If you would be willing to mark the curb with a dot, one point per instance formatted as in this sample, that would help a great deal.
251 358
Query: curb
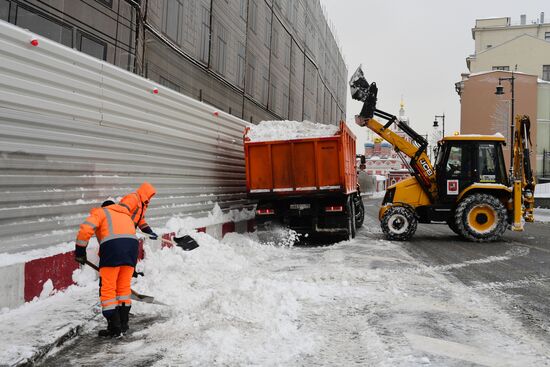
22 282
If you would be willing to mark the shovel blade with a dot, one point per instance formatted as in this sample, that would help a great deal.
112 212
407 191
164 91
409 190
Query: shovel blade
143 298
187 243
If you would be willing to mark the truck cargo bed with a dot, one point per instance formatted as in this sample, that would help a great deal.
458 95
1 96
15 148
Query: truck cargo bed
301 166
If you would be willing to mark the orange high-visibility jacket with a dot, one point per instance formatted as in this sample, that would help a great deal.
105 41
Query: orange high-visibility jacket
115 232
137 203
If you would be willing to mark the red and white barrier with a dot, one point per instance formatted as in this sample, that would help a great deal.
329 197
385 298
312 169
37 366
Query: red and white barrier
22 282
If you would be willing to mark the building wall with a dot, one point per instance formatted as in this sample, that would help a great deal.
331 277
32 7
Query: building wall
483 112
103 29
255 59
492 32
528 53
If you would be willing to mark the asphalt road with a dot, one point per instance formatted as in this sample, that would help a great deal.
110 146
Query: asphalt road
515 270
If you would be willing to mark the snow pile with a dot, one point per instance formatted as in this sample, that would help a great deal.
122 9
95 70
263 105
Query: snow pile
288 130
184 225
225 302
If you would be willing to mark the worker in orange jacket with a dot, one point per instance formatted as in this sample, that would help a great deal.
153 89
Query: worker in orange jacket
118 252
137 203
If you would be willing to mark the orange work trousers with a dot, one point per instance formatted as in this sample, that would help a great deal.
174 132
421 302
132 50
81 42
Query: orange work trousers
114 287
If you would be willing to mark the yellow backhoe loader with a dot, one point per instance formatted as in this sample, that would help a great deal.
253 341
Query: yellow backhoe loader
468 188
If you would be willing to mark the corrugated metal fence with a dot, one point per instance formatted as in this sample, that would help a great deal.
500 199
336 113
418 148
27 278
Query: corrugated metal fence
75 130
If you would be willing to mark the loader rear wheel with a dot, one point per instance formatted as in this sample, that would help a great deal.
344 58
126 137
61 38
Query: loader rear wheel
399 223
481 218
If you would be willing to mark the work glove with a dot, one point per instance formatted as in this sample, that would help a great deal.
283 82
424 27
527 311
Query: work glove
80 255
149 231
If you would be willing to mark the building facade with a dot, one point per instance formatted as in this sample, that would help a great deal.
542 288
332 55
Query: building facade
256 59
502 47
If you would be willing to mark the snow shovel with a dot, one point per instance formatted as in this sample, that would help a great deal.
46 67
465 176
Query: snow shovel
135 295
187 243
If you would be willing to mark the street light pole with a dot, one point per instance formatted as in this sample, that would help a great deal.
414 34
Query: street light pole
442 117
500 91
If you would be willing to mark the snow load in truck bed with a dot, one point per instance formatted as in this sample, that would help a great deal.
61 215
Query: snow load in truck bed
288 130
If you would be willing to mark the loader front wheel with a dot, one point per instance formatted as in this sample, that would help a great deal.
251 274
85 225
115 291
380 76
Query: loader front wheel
481 218
399 223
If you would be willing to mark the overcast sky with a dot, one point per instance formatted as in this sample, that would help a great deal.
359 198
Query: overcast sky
416 49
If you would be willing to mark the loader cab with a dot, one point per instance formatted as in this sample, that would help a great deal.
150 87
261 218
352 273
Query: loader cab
465 160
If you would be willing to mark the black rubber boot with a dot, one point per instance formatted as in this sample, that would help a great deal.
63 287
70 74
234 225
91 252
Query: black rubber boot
113 327
124 312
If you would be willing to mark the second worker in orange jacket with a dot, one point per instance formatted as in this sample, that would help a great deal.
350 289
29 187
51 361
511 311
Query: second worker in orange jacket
137 203
118 252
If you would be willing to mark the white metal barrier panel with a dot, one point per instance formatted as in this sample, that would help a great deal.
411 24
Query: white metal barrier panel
75 130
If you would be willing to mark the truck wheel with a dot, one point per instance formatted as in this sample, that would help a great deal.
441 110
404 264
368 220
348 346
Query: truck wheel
399 223
359 211
481 218
350 210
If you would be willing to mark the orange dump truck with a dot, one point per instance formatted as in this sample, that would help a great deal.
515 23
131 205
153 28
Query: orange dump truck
306 184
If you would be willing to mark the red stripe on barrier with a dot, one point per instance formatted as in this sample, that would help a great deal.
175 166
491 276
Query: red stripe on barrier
167 240
201 229
228 227
59 268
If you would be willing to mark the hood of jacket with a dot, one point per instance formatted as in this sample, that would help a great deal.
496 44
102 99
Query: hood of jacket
146 191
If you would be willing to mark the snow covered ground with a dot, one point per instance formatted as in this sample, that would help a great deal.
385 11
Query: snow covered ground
240 302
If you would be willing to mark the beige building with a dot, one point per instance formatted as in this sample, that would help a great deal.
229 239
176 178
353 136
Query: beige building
523 48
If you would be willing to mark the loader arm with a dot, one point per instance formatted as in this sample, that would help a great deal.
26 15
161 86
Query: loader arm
522 174
420 162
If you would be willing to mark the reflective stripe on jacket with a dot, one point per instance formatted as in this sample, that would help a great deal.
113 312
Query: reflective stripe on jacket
115 232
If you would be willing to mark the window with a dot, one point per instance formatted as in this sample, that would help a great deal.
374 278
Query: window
253 15
546 72
454 162
267 34
169 84
171 19
503 68
287 56
221 55
46 27
205 34
242 9
275 43
486 161
273 104
285 105
547 36
4 10
251 74
92 46
265 85
240 65
108 3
